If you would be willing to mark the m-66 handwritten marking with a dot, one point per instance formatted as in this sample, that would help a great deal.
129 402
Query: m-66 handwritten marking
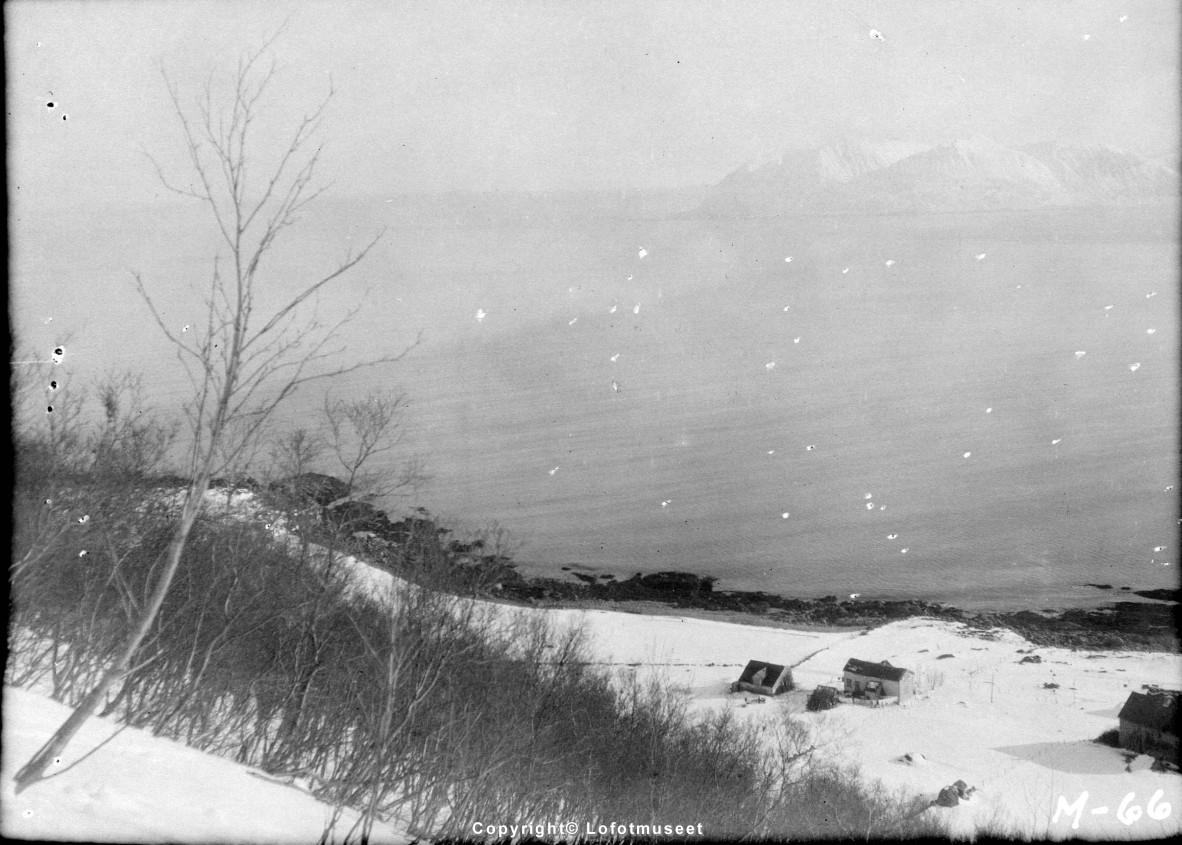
1127 813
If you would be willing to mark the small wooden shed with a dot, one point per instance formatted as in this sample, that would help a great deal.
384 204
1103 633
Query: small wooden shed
1147 723
764 678
865 679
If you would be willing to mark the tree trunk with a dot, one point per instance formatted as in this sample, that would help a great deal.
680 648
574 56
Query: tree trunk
34 770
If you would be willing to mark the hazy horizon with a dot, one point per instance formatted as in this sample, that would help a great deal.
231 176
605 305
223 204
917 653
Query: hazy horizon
438 97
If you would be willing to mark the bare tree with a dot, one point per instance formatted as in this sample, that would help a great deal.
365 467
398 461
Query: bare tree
360 430
242 364
294 452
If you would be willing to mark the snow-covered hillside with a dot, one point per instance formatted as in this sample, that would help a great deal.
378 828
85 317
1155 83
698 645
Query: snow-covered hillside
1105 174
1019 731
983 716
962 175
140 788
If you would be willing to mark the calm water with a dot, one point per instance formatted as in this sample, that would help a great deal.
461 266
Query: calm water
836 388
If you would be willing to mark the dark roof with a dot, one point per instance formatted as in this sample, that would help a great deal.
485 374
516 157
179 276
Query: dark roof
772 675
1151 711
883 671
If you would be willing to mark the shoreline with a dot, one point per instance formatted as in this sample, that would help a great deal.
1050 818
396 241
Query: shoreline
1149 624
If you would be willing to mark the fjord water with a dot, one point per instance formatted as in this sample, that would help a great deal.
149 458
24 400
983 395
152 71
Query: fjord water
902 409
936 372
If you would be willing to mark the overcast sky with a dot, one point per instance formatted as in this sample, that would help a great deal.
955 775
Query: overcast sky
537 95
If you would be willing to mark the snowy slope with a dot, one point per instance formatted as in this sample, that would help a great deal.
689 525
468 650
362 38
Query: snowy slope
140 788
796 179
982 716
1099 173
977 174
989 720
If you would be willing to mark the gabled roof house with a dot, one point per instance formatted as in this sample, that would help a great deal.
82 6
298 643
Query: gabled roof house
866 679
1148 723
764 678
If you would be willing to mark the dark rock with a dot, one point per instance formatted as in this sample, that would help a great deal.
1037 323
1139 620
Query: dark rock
948 797
313 487
677 582
1159 595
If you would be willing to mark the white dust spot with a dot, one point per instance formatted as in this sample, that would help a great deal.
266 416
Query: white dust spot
1107 307
615 387
82 520
771 451
968 454
892 536
796 340
572 322
614 357
612 310
771 365
870 506
665 503
981 256
480 315
788 260
904 551
1159 548
1134 367
785 515
876 35
810 448
846 270
636 308
82 553
1056 441
1080 353
1151 295
1150 331
554 470
1168 489
787 307
989 410
868 496
643 252
1087 38
854 595
882 507
185 329
629 277
890 262
1124 18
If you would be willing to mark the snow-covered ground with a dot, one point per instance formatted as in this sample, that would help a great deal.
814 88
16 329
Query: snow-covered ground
140 788
981 716
986 719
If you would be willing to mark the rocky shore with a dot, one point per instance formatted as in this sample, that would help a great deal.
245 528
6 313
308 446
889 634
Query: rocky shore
1150 625
1126 625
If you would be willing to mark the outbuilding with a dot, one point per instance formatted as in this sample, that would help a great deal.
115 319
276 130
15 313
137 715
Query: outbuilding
867 680
1147 723
764 678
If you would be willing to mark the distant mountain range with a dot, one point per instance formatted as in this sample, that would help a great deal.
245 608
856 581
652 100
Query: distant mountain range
964 175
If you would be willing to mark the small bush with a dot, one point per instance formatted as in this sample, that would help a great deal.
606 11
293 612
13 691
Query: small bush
1110 737
822 698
